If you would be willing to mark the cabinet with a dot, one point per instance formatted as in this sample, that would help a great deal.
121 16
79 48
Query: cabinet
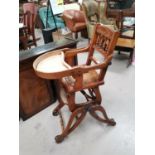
35 93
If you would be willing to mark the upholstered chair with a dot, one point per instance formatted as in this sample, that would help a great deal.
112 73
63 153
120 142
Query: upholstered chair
75 21
95 13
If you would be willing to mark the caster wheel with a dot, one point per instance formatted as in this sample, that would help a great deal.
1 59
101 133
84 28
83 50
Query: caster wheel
55 113
112 122
59 138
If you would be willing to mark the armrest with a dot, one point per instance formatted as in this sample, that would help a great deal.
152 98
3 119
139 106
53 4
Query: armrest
78 73
74 52
68 16
97 66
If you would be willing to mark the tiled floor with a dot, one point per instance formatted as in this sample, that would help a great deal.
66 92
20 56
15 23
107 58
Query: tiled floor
91 137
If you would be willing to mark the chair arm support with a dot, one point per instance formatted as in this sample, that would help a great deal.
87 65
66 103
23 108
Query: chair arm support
74 52
68 16
97 66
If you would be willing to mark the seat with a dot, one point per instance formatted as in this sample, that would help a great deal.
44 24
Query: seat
95 12
73 78
75 21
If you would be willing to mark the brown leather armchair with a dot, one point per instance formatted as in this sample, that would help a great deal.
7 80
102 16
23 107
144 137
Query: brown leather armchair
75 21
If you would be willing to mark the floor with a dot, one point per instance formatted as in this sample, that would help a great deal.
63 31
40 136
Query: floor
91 137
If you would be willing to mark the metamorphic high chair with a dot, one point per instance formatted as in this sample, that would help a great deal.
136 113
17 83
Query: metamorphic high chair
86 78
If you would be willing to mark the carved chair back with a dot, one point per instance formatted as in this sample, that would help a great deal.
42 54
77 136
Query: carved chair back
103 42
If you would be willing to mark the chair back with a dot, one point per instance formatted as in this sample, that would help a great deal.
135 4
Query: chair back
90 9
29 21
103 42
30 7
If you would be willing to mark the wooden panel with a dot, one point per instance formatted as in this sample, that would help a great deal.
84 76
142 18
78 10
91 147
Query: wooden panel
34 92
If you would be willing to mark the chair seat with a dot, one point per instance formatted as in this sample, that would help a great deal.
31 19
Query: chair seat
128 34
123 42
90 77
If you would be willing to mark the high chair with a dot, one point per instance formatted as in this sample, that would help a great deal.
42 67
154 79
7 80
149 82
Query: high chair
86 78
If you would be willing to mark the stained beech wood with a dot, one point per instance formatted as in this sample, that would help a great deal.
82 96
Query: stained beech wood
79 78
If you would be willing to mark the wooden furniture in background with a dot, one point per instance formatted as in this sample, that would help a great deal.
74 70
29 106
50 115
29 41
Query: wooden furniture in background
80 78
35 93
28 20
23 37
126 45
126 10
31 7
120 10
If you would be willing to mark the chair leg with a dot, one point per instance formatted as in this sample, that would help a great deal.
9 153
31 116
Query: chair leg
119 52
60 101
93 113
71 124
56 110
130 59
75 35
34 40
98 95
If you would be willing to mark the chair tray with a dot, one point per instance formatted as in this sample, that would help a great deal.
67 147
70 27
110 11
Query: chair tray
50 63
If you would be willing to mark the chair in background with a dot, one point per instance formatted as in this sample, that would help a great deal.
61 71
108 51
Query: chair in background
95 12
85 78
29 22
23 38
120 9
90 9
126 41
75 21
28 18
31 7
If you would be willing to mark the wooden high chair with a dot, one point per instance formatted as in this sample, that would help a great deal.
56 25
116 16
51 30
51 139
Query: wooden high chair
85 79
